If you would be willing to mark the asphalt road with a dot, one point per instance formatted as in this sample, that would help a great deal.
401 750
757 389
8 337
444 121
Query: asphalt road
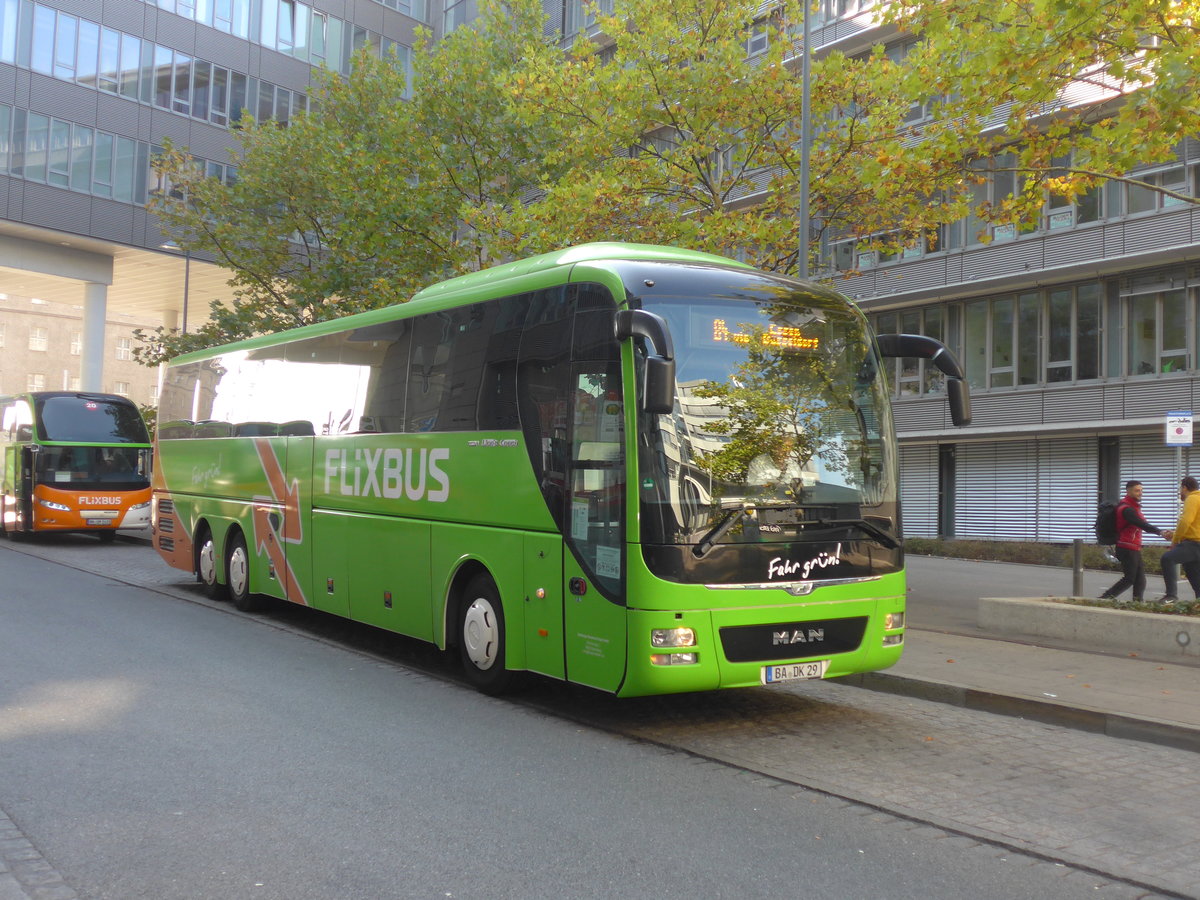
943 594
152 747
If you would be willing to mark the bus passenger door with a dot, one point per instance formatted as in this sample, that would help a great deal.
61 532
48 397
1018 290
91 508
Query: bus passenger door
26 482
544 605
594 528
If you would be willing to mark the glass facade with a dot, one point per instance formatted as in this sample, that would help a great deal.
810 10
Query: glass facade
81 158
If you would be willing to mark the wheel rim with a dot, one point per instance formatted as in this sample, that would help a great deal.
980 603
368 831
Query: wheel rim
239 571
481 634
208 562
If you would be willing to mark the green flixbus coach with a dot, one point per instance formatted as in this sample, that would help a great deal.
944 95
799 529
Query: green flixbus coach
637 468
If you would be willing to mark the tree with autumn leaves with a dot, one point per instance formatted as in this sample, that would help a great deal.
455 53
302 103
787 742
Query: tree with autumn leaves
654 126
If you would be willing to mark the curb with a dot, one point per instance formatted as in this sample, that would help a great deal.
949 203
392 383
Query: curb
1150 731
1162 636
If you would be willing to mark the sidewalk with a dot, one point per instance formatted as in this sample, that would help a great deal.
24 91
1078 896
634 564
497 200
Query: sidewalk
1139 699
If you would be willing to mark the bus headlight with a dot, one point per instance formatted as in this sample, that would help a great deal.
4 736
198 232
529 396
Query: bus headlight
145 505
673 659
672 637
52 505
893 621
893 640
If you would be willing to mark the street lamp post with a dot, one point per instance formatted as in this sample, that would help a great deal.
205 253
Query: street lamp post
187 275
805 140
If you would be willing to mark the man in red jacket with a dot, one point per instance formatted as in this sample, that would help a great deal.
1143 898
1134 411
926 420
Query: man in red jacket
1130 526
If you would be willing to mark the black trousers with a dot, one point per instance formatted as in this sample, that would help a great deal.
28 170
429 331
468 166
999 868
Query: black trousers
1187 555
1134 573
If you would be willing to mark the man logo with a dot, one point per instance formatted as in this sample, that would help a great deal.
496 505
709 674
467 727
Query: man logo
798 636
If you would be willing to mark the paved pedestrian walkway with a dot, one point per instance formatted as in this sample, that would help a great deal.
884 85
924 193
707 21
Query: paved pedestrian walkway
1122 697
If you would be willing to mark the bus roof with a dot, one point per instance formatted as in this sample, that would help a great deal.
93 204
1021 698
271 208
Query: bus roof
584 253
481 282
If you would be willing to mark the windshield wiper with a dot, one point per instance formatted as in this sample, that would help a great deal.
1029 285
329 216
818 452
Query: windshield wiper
863 525
718 531
732 516
736 514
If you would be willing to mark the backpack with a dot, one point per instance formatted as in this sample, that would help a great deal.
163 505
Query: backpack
1106 524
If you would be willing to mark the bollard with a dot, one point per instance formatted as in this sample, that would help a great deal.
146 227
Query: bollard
1077 569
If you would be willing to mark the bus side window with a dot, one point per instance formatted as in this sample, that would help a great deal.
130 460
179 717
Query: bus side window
498 403
544 393
299 428
429 369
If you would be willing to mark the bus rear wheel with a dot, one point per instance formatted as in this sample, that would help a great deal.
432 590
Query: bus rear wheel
237 574
481 636
206 568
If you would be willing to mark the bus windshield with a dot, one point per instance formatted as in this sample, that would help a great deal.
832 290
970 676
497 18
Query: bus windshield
780 425
87 419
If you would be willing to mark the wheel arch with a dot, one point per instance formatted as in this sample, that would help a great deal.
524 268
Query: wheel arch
455 597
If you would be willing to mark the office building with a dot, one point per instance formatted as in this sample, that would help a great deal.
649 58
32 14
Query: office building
88 91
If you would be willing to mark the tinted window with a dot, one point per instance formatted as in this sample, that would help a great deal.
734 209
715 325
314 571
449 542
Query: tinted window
544 392
90 420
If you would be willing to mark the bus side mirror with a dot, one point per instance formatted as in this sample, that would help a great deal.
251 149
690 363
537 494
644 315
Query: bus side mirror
658 391
958 394
658 388
960 401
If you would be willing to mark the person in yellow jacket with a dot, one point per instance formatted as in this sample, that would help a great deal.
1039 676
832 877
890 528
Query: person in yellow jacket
1185 541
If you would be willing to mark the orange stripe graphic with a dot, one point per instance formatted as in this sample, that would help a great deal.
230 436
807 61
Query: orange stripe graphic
266 532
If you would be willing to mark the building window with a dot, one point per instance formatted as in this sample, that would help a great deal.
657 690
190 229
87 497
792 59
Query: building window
758 39
1157 328
1033 338
458 12
74 383
1140 199
124 348
121 387
76 343
39 338
1063 211
35 381
908 375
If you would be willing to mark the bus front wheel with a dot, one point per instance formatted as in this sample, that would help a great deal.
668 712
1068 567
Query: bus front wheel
237 573
481 636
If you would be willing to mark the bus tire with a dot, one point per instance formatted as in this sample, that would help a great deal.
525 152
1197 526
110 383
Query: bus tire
206 567
237 574
481 636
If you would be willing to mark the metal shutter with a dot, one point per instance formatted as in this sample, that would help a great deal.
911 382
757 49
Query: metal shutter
919 489
1037 490
1068 474
996 496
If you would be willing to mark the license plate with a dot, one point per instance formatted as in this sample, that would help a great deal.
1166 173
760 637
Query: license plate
99 521
794 671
